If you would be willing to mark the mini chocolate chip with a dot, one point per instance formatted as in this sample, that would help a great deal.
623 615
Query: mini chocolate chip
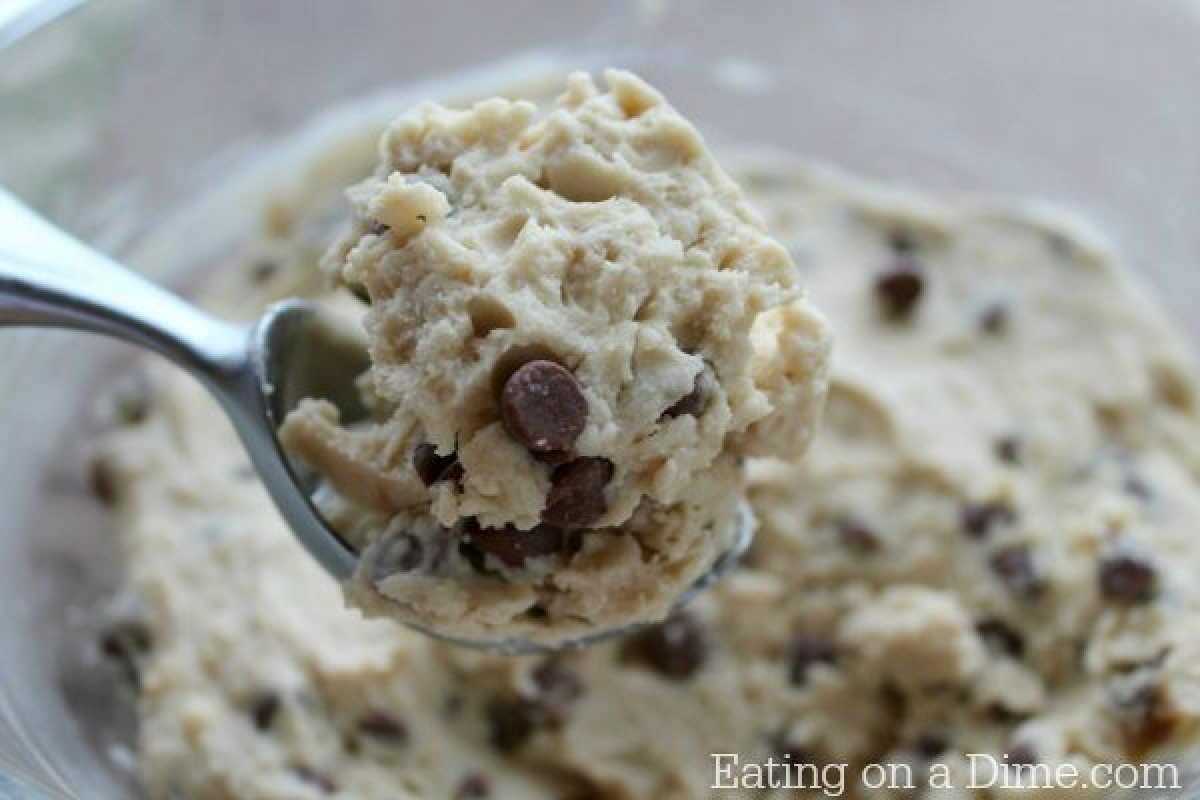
376 227
1135 486
263 270
360 293
993 319
893 699
558 688
1127 577
1008 449
788 749
1002 714
1143 712
125 643
857 535
543 407
132 398
402 553
432 468
473 786
998 635
805 651
510 722
675 649
453 704
930 745
101 482
1014 566
127 637
1021 753
383 726
695 402
264 708
1060 245
978 520
513 546
902 241
576 497
318 779
899 288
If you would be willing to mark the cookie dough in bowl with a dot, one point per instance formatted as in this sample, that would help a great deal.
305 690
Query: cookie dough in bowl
579 330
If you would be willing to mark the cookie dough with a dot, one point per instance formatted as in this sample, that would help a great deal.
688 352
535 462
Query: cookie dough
990 549
579 330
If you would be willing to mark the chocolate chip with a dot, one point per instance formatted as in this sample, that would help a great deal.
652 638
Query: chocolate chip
543 407
576 497
558 689
376 227
1008 449
1060 245
993 319
1143 712
510 723
393 555
978 520
930 745
1003 715
101 481
432 468
126 643
453 704
899 288
791 751
132 398
473 786
805 651
893 699
696 401
1127 577
512 720
998 635
264 707
1135 486
901 241
857 535
263 270
318 779
1014 566
675 649
383 726
1021 753
513 546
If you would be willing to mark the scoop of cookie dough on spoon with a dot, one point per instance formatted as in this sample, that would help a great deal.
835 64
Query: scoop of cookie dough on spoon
579 330
258 373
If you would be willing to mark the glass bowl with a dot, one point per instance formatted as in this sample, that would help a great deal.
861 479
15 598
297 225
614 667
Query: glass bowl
114 113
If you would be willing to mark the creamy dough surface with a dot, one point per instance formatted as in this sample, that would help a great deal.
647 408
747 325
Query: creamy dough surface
989 549
579 330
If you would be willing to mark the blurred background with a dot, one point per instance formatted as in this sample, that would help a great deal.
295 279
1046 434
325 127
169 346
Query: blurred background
116 113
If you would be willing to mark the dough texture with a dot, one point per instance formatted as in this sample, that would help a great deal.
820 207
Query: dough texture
989 549
579 330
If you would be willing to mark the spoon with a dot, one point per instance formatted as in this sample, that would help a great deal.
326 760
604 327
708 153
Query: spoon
257 372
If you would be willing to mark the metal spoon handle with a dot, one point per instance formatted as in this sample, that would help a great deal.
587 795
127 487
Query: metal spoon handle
48 278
